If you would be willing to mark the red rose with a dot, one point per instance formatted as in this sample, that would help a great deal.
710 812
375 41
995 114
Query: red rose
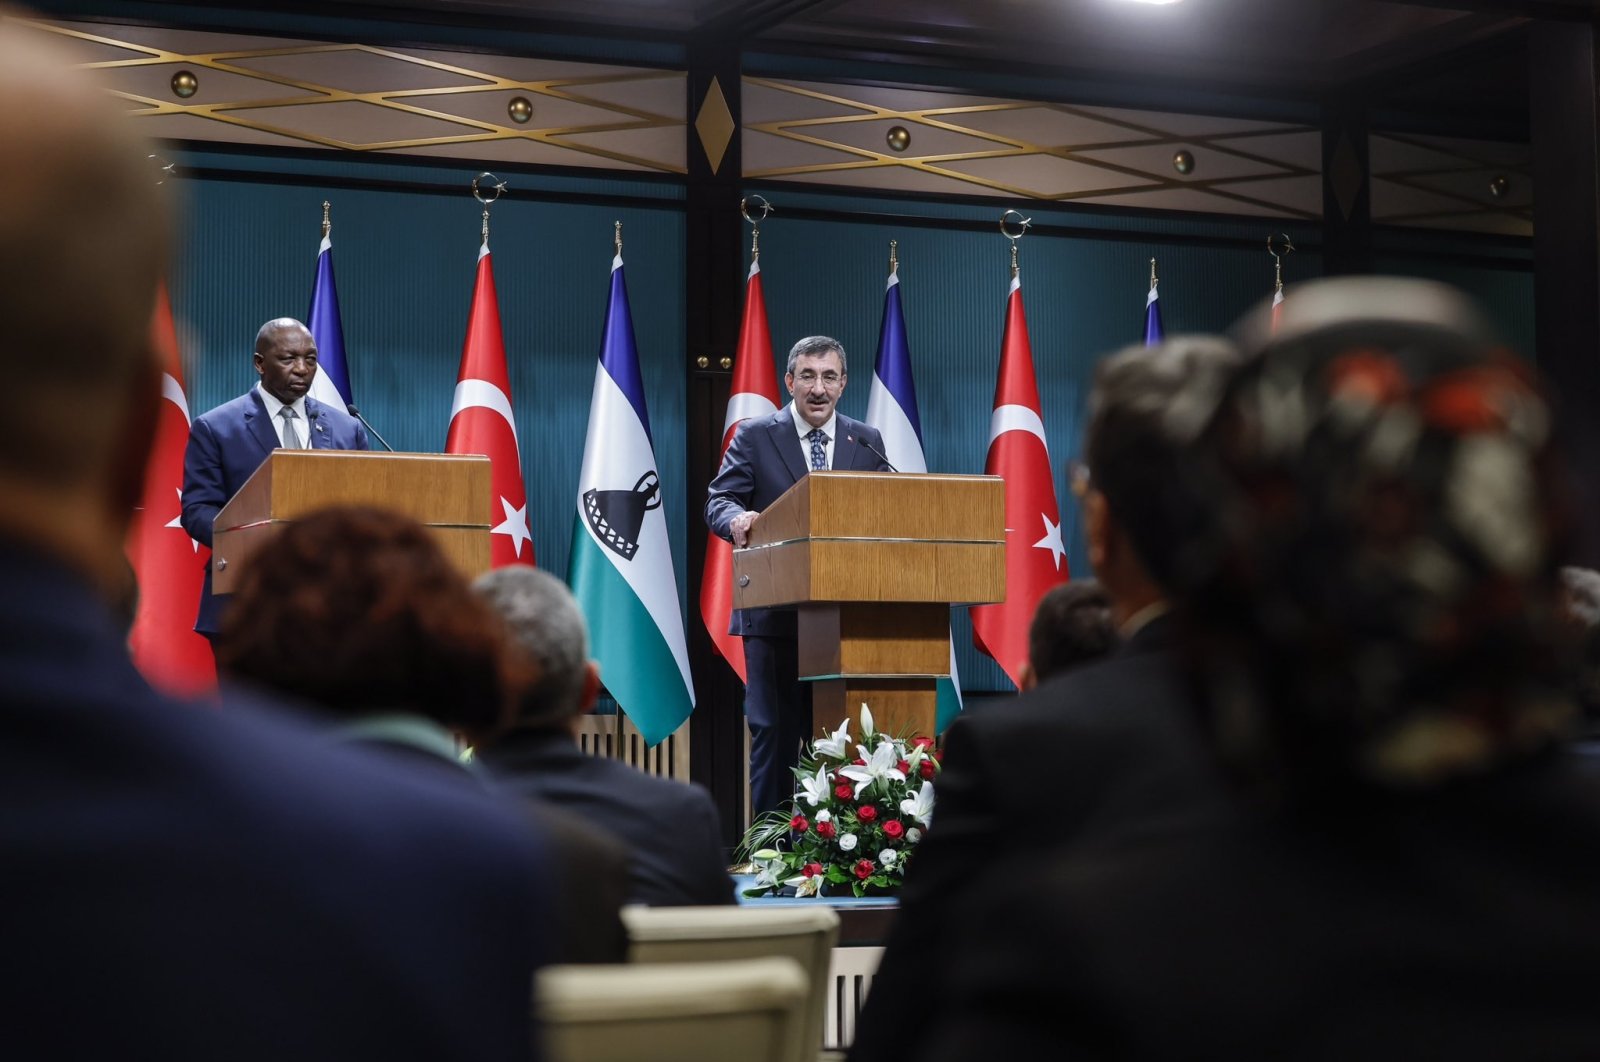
922 742
893 829
811 870
863 869
866 813
826 830
844 792
859 762
938 754
903 766
926 768
799 823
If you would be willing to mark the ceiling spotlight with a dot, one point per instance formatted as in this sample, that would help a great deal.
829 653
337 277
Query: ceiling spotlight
1152 1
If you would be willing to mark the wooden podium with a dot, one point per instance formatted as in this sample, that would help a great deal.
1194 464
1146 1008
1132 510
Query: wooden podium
448 493
872 561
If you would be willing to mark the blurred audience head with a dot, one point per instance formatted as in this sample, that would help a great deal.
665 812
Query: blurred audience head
546 624
1375 599
1581 601
82 246
1072 626
1147 405
358 612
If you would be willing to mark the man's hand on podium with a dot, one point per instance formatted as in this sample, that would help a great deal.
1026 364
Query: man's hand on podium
739 527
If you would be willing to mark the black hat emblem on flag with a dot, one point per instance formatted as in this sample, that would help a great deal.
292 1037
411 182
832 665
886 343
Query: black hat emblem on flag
615 516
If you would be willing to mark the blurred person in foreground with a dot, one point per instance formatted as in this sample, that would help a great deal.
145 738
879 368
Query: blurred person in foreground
1102 748
1071 627
1371 620
671 828
182 882
359 615
1582 608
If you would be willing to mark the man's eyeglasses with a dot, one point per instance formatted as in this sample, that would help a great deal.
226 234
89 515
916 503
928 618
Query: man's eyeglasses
808 378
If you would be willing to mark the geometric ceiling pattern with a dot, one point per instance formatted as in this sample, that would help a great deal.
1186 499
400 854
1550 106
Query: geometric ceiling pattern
923 141
1448 183
355 97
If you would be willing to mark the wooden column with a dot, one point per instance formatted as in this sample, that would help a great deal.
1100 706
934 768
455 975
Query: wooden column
713 294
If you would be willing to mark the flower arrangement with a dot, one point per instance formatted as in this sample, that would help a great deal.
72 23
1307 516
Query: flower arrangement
855 821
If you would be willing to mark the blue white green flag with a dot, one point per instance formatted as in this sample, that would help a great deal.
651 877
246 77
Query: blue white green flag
621 566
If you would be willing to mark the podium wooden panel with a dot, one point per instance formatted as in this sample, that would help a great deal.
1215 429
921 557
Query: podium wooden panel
447 493
872 562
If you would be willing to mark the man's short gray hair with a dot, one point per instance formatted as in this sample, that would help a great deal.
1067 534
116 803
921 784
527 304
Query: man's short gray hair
546 623
816 346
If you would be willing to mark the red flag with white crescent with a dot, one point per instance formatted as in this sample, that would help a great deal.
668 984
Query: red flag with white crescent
169 565
482 421
754 394
1035 555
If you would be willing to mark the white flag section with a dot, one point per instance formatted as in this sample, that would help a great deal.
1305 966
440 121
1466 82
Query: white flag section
621 566
892 409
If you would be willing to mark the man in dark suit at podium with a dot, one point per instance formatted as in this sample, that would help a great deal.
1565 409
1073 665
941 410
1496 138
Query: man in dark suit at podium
229 443
767 456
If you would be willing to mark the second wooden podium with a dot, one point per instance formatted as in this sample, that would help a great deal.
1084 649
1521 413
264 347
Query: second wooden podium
872 561
447 493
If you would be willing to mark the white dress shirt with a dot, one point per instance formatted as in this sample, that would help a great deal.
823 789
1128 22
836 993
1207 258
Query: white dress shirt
301 426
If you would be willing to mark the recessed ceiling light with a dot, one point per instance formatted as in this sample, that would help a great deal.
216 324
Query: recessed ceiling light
1152 1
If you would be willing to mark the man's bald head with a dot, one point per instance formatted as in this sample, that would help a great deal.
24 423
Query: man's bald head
82 246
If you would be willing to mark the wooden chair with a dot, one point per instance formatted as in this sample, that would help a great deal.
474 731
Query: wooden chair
745 1011
804 934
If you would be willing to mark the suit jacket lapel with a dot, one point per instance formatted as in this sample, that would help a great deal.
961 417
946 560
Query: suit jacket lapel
316 434
844 443
260 425
788 444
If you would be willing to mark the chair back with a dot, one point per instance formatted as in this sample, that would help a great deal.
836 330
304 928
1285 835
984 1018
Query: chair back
804 933
745 1011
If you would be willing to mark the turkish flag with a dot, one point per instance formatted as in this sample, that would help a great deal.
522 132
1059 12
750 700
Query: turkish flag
169 565
1035 556
754 394
481 420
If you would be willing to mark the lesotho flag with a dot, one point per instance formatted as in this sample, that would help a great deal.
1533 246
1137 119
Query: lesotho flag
621 566
892 409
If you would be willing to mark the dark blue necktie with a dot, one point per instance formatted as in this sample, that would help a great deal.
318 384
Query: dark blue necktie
819 456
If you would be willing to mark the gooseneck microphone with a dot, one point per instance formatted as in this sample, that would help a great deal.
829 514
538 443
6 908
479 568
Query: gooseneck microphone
873 450
356 413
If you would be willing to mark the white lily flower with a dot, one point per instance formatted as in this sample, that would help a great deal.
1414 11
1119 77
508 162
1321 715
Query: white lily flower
847 842
834 745
915 755
887 857
867 729
824 815
815 789
919 807
768 870
804 886
913 835
882 765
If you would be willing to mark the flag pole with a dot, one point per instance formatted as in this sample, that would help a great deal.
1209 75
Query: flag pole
1022 224
1277 271
497 186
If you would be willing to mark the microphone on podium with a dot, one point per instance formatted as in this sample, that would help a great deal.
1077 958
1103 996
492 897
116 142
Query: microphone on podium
356 413
873 450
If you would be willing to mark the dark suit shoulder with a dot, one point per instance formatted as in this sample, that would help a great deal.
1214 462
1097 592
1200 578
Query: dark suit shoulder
233 409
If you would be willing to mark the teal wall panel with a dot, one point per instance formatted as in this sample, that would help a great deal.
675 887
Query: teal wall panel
405 263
